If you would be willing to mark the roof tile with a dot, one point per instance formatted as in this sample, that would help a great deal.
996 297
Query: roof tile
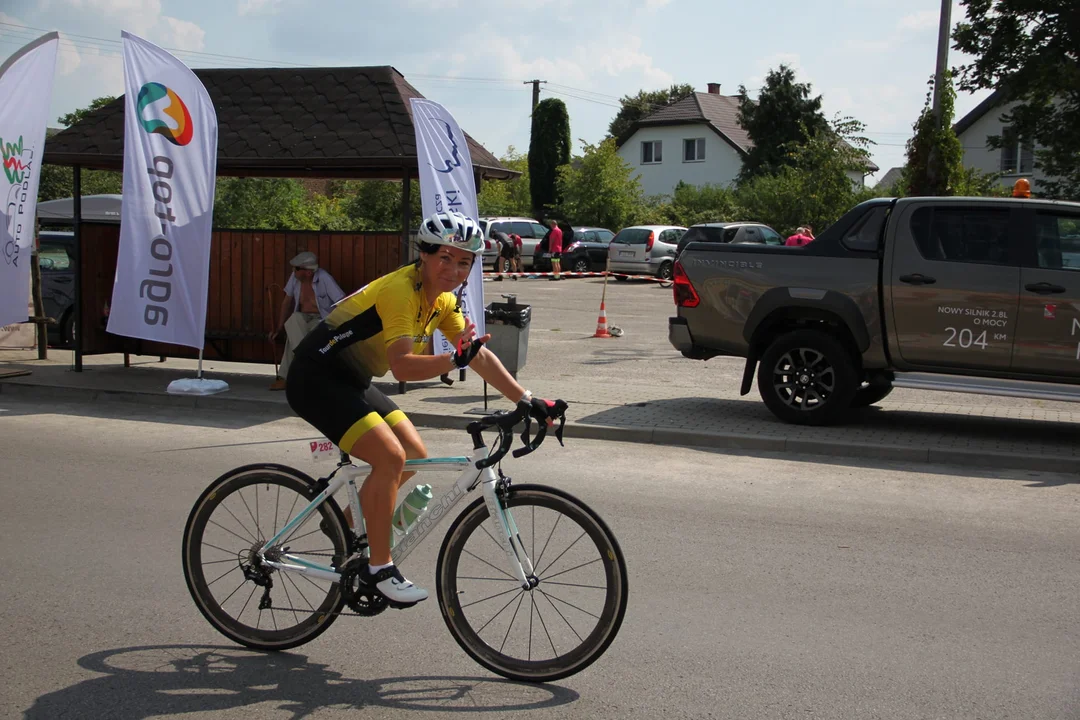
339 115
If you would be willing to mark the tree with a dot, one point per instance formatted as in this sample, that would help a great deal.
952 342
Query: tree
645 103
507 197
375 204
814 188
76 116
549 147
57 181
600 189
1028 50
274 204
935 159
783 113
691 204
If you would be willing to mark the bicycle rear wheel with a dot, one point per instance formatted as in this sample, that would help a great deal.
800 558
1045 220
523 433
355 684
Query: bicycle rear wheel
232 519
571 615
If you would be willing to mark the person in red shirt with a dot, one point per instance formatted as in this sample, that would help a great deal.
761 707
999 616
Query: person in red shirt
515 261
555 248
803 236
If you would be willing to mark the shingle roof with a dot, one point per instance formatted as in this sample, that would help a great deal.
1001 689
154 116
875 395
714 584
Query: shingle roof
719 112
337 121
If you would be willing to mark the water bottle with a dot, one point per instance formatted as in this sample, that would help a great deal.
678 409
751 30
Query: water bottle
409 511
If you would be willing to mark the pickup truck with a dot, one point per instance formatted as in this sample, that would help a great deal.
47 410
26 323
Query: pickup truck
975 295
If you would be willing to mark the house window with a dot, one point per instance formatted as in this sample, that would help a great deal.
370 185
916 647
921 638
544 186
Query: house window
651 152
693 150
1017 157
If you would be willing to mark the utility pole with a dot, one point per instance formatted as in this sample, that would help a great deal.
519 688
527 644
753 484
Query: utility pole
944 32
933 170
536 90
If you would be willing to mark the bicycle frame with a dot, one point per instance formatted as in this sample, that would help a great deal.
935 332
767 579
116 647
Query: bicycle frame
347 475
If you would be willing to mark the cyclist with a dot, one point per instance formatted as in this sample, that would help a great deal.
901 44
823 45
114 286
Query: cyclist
388 325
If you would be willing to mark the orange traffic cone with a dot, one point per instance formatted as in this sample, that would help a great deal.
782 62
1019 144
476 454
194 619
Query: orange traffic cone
601 324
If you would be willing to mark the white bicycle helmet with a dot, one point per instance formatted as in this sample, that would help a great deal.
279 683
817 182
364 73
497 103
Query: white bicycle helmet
452 229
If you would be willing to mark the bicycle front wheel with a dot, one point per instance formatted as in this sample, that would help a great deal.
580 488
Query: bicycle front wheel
246 600
563 623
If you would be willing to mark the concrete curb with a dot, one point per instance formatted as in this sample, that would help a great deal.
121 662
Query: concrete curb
652 436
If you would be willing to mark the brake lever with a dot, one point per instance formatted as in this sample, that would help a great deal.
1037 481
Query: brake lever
559 430
530 447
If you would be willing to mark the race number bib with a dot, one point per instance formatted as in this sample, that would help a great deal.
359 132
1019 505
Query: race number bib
323 450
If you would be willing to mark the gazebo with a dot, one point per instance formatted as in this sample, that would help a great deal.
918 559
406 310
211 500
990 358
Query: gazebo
336 122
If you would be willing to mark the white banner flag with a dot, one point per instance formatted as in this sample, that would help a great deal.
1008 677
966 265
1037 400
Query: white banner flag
170 168
26 80
447 184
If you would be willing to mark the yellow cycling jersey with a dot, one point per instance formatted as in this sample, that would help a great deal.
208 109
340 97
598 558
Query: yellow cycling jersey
362 326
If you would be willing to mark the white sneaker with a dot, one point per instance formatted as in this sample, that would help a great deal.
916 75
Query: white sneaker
393 586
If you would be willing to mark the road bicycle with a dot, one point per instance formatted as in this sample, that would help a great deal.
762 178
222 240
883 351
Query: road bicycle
530 581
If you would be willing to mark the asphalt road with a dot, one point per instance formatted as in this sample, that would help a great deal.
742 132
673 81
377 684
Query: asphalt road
760 587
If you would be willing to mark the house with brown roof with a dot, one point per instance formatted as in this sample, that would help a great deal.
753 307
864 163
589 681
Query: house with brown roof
697 140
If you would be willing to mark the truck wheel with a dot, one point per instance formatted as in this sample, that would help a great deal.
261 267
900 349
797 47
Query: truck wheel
867 396
807 378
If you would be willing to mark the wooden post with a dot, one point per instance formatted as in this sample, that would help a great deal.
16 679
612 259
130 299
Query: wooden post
76 194
40 321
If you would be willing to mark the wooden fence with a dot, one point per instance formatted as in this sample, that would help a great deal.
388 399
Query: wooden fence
244 266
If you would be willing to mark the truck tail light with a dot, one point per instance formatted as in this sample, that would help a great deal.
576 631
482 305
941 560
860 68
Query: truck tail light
685 294
649 242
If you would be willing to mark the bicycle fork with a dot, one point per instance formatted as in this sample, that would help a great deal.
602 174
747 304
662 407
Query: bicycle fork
506 531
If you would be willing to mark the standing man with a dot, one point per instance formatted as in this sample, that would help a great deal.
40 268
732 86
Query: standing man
555 248
310 294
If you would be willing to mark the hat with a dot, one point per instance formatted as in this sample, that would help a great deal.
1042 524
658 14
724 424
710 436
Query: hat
305 260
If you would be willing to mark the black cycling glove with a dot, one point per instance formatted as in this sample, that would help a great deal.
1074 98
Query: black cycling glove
542 410
466 353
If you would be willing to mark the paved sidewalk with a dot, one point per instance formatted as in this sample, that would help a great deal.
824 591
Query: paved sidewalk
915 430
634 388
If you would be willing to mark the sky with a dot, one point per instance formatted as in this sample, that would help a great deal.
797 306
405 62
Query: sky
868 59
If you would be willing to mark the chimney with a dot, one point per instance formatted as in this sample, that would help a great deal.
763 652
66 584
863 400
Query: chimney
714 88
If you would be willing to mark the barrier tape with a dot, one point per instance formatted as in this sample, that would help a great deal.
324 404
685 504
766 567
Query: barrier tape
538 275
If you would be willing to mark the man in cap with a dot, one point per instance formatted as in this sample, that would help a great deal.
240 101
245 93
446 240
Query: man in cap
310 294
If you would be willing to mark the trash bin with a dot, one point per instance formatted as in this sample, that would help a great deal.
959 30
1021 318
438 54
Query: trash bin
508 324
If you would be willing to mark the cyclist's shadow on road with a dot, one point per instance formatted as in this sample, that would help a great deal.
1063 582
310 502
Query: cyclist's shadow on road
151 681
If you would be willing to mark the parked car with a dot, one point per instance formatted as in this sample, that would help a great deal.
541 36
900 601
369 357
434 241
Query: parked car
530 230
729 232
587 253
645 250
55 257
975 295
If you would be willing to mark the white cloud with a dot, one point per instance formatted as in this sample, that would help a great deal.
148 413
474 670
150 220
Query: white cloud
919 21
656 4
5 18
259 7
185 35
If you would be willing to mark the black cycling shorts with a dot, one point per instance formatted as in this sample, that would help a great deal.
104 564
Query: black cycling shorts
508 252
339 404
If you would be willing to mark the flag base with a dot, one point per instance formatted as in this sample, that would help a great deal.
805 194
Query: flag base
197 386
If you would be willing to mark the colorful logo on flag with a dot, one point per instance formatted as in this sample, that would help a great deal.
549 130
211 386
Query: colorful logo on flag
13 162
176 110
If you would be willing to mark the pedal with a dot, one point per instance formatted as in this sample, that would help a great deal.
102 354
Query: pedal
400 605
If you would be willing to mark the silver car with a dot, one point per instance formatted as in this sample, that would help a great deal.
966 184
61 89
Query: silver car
531 233
645 250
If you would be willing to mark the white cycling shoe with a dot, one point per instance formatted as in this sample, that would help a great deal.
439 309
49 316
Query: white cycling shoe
393 586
